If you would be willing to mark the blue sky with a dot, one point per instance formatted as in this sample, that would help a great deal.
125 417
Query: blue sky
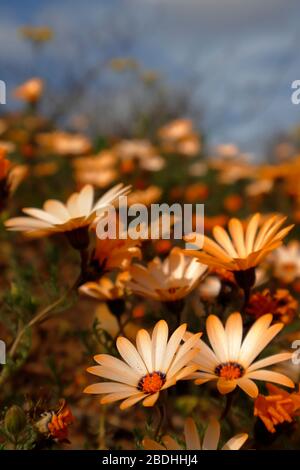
241 57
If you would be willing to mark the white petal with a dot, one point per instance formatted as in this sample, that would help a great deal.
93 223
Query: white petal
217 337
159 343
172 347
144 347
191 435
212 436
131 356
234 333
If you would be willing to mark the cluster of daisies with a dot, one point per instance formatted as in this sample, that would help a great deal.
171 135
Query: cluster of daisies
160 358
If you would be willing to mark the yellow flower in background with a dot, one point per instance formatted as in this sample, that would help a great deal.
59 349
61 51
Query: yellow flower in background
106 289
30 91
168 280
10 177
37 34
116 252
55 217
230 361
155 364
64 143
192 439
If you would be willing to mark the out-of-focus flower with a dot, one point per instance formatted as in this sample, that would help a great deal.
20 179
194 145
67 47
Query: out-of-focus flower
162 246
37 34
168 280
147 196
78 213
258 188
154 365
196 192
179 137
176 130
99 170
210 288
245 247
64 143
153 164
45 169
105 288
10 178
55 424
210 222
286 262
192 439
119 64
233 203
6 146
227 151
281 304
30 91
278 407
116 252
230 361
198 169
134 149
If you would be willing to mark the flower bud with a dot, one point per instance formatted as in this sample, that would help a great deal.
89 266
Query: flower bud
15 420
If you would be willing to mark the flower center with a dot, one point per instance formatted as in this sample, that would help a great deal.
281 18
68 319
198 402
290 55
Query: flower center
173 290
230 370
152 383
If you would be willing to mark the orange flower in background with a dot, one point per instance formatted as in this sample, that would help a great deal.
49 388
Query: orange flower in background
242 248
146 196
196 192
233 203
162 246
179 136
118 252
278 407
60 422
5 165
64 143
98 170
10 177
127 167
30 91
281 304
230 361
55 424
105 288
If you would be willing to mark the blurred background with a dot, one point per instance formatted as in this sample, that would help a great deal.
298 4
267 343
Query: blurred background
127 66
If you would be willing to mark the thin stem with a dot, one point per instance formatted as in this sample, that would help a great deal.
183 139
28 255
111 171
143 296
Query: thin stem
40 317
161 410
229 400
247 293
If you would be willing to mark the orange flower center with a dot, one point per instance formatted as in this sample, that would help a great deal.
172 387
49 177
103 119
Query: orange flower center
230 370
173 290
152 383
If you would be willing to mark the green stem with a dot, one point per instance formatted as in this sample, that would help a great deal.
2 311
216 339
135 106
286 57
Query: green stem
39 318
